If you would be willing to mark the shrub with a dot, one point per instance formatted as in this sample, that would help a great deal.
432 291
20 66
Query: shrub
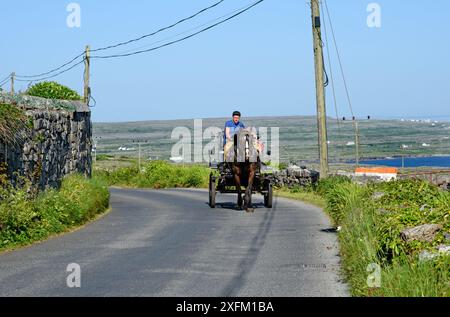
53 90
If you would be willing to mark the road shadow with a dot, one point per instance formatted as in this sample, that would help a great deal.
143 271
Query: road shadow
248 261
329 230
233 206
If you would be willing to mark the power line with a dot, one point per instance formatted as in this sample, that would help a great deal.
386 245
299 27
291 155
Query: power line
182 39
124 43
182 33
160 30
38 77
333 87
6 79
55 75
53 70
339 58
355 121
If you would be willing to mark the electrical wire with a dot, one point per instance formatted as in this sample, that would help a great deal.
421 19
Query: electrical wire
3 84
95 102
327 81
161 29
182 33
339 58
355 121
123 43
182 39
61 69
53 70
55 75
5 80
333 87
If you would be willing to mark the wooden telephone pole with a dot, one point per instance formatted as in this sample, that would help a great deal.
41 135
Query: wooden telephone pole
87 64
13 75
320 89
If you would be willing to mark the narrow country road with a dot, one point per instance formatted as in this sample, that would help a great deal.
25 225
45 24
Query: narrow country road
170 243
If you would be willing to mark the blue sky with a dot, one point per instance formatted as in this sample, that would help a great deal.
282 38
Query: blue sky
260 63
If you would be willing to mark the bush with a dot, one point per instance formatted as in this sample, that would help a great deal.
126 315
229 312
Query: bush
24 219
53 90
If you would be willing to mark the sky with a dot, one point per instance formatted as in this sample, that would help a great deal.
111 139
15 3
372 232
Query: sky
260 63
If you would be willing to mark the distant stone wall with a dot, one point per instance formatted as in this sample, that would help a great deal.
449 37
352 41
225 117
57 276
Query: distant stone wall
439 178
59 141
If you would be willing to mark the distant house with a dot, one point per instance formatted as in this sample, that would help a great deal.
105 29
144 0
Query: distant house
384 173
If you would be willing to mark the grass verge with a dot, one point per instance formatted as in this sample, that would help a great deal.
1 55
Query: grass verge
309 197
24 220
157 175
371 218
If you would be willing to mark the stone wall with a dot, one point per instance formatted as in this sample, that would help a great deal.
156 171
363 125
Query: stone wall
295 176
59 141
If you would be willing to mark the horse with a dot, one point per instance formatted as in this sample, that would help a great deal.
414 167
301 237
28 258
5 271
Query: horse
244 162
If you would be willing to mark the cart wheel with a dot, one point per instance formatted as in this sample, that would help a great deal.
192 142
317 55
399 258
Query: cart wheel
268 198
212 192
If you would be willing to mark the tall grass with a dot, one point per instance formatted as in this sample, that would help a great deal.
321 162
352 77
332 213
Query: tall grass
370 234
14 125
157 174
25 219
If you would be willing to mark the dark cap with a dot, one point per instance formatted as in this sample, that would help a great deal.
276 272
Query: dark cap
236 113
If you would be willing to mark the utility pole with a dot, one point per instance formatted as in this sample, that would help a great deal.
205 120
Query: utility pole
139 152
139 145
13 75
357 142
95 148
320 89
87 64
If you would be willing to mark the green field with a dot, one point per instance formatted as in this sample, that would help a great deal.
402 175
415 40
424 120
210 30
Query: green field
298 137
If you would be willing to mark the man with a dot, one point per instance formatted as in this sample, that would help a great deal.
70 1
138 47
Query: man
232 127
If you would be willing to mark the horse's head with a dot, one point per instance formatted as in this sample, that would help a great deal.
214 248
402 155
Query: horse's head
246 145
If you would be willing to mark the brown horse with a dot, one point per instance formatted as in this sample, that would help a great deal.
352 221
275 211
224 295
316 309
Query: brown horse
244 163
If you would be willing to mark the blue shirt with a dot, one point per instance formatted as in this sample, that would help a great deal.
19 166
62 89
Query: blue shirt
234 128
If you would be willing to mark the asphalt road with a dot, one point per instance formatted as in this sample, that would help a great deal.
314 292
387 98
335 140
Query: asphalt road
170 243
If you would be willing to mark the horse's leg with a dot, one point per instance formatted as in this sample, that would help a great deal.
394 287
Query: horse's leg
237 181
249 190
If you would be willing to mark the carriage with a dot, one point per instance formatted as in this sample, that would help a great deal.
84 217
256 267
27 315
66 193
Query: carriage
221 180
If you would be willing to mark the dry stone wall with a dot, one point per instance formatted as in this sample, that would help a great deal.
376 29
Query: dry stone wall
59 141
